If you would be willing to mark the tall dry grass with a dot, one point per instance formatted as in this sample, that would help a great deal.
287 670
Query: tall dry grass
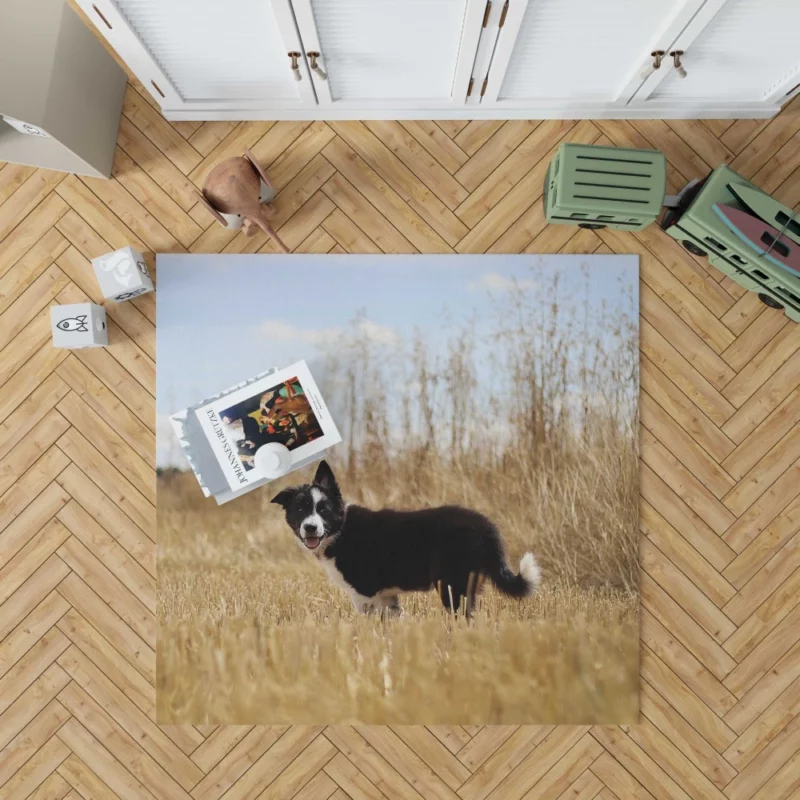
531 420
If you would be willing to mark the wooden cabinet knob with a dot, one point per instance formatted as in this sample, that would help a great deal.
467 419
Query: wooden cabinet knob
315 68
676 60
658 56
296 74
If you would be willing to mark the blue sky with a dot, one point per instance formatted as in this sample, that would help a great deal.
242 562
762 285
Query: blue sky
225 318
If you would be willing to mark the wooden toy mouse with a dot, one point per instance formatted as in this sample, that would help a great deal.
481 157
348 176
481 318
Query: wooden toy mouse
237 193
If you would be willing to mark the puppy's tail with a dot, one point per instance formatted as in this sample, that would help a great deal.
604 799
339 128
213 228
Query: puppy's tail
521 585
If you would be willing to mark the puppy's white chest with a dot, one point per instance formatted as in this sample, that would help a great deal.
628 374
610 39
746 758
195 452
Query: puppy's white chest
360 602
336 577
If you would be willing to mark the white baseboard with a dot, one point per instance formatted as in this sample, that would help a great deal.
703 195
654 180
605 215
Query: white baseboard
700 111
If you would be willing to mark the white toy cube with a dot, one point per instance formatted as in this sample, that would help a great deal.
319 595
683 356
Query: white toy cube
78 325
122 274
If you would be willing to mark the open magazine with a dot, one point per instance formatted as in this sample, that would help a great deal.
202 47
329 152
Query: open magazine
221 436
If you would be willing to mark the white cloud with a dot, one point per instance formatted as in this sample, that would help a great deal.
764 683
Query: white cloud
495 282
379 334
278 331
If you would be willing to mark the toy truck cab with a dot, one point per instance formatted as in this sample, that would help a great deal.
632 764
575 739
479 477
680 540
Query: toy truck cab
702 232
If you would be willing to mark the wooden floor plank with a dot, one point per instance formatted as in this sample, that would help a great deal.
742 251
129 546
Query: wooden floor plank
159 131
12 176
284 167
686 665
493 152
489 213
30 703
150 738
31 266
685 593
395 183
37 770
697 468
109 516
119 744
685 413
209 135
31 629
686 703
661 136
97 612
777 569
301 770
30 230
144 153
678 550
691 635
30 557
237 762
678 733
101 653
437 143
419 161
759 551
106 772
351 782
719 512
764 510
31 738
761 696
110 553
501 180
768 616
152 197
318 241
25 199
90 569
31 666
356 220
762 402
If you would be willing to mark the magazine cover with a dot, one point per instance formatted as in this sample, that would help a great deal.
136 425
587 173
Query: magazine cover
284 407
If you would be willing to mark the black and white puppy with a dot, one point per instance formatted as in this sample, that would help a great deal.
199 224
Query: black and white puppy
375 555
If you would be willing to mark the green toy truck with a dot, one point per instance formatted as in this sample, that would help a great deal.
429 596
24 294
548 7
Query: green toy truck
607 187
702 232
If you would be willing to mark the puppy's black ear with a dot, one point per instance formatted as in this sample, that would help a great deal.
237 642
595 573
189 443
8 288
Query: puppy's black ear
324 477
284 497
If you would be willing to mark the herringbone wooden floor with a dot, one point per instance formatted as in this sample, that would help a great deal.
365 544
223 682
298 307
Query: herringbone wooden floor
720 505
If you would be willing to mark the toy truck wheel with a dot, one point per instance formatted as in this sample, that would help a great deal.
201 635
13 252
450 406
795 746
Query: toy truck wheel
693 248
770 301
592 226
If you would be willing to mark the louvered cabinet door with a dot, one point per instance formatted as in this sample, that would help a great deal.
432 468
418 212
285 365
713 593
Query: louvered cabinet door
578 54
391 54
746 51
206 54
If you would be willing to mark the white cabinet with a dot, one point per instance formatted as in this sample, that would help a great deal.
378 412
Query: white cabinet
390 53
335 59
735 51
572 53
216 56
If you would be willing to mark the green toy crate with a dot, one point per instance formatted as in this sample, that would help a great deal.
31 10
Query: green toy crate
598 187
700 230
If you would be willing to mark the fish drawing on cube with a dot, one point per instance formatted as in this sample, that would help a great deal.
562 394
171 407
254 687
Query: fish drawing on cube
78 325
122 275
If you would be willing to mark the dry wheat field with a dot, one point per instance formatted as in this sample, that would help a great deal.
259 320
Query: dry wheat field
252 630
